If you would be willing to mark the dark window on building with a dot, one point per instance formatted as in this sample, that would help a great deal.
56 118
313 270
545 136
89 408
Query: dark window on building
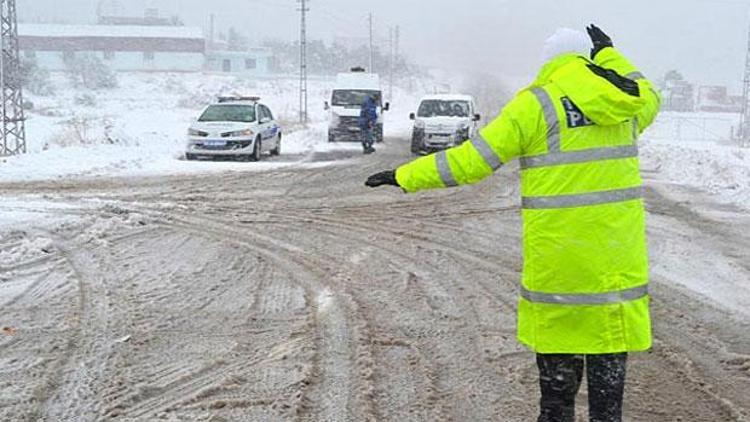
30 54
68 55
251 64
226 65
109 55
148 56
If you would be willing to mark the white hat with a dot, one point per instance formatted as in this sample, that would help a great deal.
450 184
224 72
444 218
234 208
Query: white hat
566 40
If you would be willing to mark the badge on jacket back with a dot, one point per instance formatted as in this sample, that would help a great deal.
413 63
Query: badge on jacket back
575 116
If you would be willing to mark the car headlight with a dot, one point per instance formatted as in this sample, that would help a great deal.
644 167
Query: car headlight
238 133
198 133
419 124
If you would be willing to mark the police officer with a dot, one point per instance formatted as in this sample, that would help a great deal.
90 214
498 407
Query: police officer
584 301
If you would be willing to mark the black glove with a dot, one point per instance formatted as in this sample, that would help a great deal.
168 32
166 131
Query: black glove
599 38
383 178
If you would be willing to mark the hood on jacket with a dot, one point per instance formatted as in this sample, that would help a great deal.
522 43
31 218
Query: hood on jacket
369 101
565 40
600 100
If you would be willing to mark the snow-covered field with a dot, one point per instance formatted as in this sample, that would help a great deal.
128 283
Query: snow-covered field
138 129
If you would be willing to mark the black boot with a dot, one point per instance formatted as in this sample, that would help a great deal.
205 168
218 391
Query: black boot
559 379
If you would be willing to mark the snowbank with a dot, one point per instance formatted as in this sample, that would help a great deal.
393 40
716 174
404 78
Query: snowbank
696 149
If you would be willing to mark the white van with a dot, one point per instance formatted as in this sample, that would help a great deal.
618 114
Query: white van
443 121
347 98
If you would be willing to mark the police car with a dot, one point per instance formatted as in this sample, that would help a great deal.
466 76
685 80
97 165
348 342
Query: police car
234 127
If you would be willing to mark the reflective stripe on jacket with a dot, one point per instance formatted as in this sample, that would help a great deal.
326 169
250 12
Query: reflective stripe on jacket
585 276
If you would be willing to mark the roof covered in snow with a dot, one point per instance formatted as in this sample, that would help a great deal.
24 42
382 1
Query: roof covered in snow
358 80
448 97
109 31
180 39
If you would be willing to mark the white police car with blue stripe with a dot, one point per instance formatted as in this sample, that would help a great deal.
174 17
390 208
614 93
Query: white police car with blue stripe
234 127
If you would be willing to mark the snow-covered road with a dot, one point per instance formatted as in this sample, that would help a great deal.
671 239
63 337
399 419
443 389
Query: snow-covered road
294 293
137 286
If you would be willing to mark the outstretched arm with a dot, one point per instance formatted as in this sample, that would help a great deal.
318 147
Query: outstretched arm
468 163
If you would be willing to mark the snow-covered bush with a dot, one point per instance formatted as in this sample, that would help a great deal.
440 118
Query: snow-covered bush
88 71
35 79
75 132
83 130
86 100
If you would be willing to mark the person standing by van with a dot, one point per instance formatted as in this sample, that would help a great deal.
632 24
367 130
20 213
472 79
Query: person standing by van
368 118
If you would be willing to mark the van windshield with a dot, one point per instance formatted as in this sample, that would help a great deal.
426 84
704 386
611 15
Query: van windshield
229 113
349 97
441 108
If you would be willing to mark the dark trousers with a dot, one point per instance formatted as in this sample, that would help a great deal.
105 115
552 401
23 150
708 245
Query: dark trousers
368 138
560 378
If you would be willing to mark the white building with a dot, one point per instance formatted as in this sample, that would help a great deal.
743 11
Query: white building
122 48
253 62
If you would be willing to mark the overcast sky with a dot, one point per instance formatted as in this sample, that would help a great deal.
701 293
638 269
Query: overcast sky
705 39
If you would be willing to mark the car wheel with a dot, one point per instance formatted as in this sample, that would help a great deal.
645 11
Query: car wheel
189 157
255 156
277 151
331 137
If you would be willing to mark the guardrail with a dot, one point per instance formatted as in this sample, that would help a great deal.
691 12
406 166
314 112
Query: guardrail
690 127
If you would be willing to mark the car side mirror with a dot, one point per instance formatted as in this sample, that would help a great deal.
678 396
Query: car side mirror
387 107
412 116
477 117
326 106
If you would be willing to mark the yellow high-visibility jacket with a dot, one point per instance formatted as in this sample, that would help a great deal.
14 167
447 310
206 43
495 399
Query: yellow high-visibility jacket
585 274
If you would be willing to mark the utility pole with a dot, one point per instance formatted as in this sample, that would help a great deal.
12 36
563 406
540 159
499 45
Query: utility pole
212 31
391 49
744 129
372 61
303 118
398 40
13 130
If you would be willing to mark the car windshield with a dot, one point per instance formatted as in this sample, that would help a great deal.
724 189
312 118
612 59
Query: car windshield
441 108
354 97
229 113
